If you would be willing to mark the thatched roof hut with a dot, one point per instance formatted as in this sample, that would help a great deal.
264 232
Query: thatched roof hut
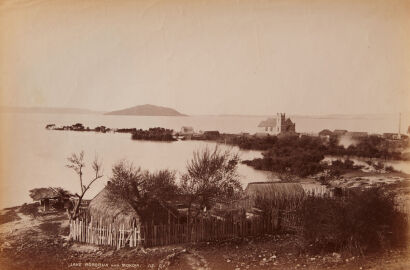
275 192
105 208
45 195
38 194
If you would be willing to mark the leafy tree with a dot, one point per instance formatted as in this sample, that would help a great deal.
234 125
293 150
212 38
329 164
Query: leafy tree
141 189
292 155
210 176
76 163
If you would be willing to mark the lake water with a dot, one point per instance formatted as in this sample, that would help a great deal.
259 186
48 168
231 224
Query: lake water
32 156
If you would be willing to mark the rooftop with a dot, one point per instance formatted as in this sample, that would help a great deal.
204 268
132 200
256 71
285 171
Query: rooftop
270 122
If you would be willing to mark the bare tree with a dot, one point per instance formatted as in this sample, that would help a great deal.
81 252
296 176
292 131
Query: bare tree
210 175
76 162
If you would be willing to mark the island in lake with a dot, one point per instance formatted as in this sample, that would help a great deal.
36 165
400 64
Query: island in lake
147 110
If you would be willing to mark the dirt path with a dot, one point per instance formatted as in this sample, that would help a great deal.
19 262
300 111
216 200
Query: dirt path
184 259
195 261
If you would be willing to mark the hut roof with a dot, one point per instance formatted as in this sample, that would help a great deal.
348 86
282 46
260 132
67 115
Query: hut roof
109 209
106 207
270 122
44 193
274 190
356 134
339 131
288 121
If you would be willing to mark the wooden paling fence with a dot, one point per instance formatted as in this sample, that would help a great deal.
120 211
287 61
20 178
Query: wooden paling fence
167 234
206 230
110 235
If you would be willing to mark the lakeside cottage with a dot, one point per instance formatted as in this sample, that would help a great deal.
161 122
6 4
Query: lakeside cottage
277 126
186 131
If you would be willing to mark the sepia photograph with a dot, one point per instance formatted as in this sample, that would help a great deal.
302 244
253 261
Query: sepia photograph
204 134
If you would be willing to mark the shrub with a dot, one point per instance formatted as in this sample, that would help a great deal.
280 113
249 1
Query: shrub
390 168
9 216
29 209
253 142
153 134
363 221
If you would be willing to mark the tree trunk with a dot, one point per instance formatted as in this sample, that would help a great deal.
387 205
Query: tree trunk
76 210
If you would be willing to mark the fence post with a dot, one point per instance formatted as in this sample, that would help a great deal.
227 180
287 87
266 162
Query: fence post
71 229
139 234
74 230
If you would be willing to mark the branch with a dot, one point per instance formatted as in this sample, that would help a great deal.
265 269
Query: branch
81 178
92 181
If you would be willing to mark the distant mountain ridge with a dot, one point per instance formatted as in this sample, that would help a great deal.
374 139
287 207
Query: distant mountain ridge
54 110
147 110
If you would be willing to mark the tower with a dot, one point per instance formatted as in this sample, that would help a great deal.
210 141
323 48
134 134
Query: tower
280 121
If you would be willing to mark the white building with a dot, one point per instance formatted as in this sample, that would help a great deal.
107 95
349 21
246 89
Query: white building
278 125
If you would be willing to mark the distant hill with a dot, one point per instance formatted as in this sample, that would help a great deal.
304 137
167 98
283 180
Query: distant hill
47 110
147 110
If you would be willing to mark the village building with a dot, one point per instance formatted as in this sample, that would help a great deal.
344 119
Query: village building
391 136
271 199
356 134
339 132
326 133
186 131
49 198
277 126
83 204
274 191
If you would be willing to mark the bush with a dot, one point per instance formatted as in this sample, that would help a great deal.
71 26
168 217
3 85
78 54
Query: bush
29 209
291 154
390 169
153 134
51 228
363 221
253 142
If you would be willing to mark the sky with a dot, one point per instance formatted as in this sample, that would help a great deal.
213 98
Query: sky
207 57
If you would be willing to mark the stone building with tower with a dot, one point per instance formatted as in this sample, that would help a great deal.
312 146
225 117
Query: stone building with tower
277 126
